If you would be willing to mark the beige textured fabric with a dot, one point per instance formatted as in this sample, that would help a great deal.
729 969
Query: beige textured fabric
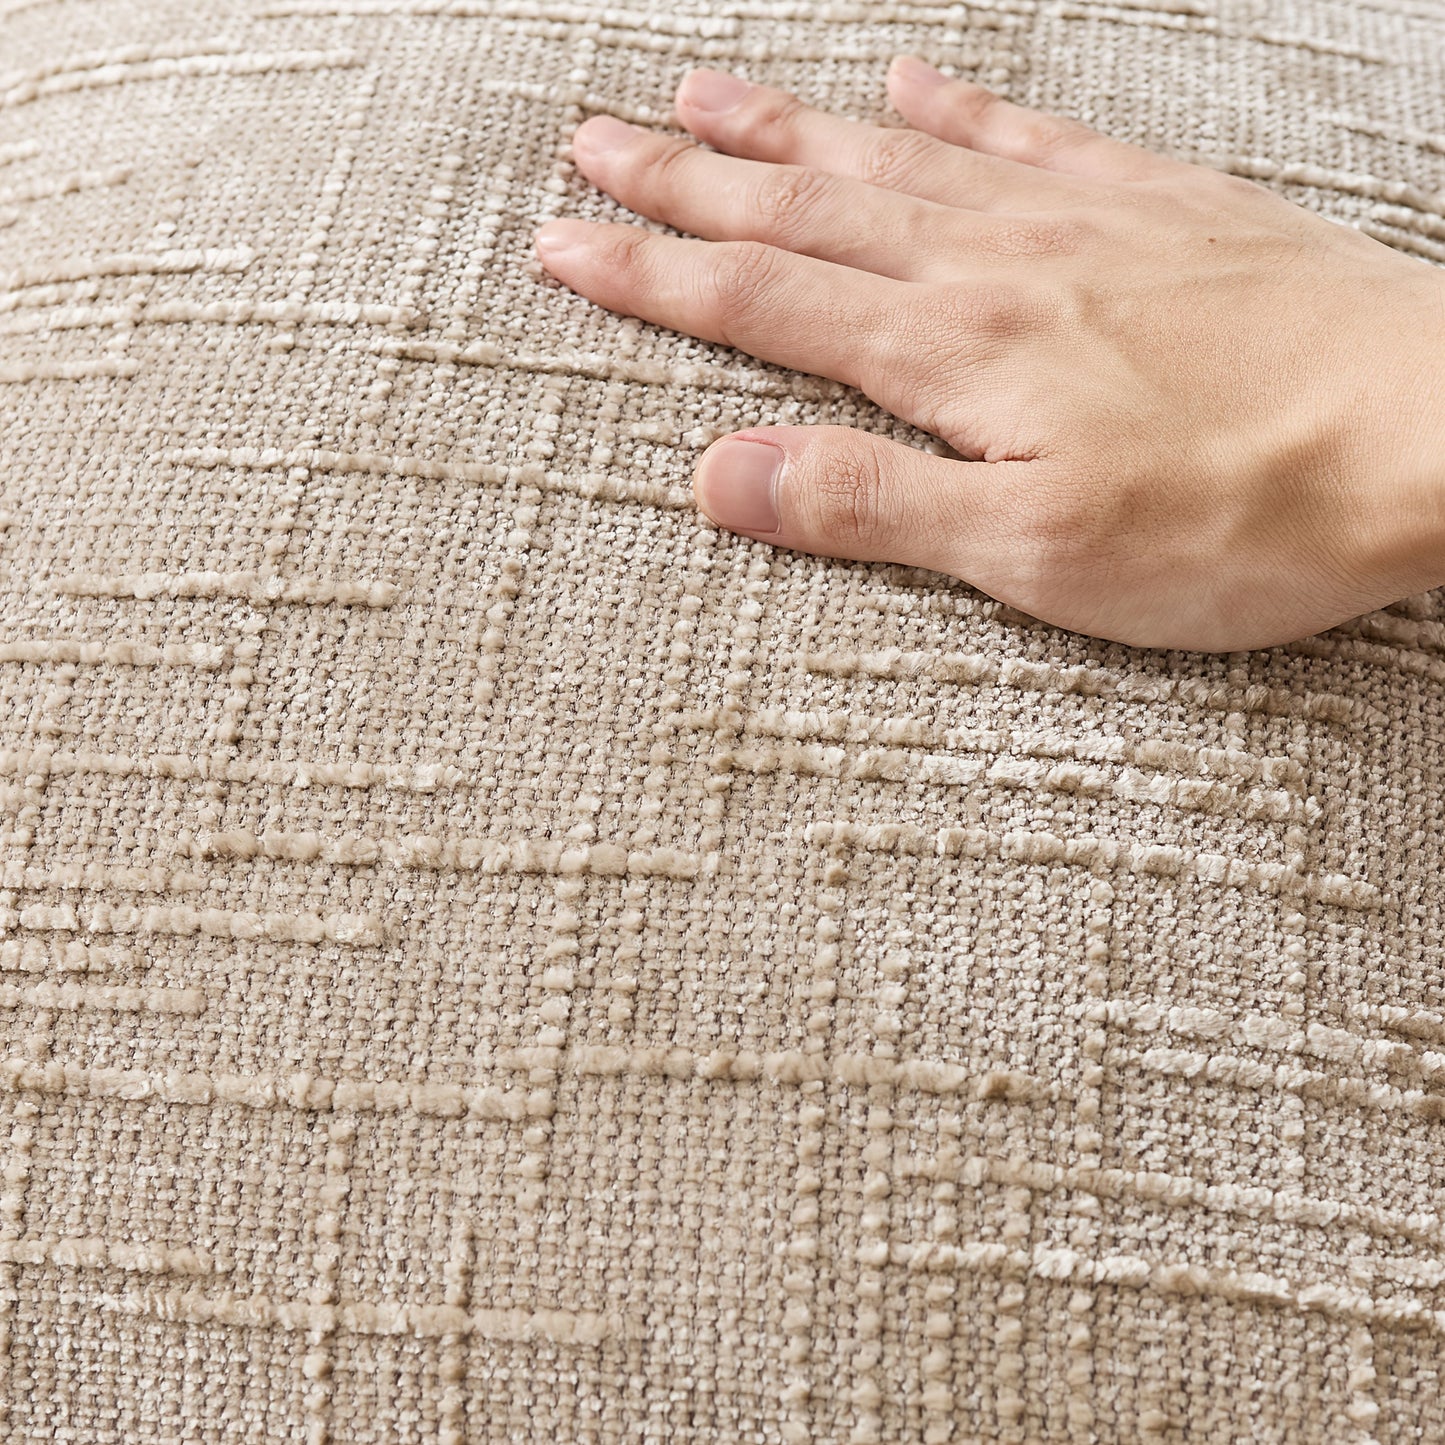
485 956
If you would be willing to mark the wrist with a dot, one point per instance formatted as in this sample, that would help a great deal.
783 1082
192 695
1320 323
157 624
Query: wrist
1409 403
1427 466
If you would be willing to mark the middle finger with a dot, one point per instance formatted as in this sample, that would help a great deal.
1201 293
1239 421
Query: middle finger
797 207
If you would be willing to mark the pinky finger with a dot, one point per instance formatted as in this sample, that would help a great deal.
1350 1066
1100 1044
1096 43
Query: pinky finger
967 115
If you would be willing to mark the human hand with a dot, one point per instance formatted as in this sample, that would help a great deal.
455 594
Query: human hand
1190 414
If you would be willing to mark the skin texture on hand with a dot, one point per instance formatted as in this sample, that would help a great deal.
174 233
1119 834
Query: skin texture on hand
1186 412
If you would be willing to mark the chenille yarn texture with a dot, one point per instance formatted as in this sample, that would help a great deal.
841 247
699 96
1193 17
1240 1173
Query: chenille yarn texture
486 956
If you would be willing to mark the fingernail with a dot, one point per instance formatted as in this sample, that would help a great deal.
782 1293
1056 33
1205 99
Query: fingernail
561 235
713 89
604 133
916 71
740 485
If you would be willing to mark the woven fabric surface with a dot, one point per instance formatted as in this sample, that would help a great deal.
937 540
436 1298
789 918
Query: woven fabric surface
487 956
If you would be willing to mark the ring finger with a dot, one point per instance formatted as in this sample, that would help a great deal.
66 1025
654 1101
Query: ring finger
768 124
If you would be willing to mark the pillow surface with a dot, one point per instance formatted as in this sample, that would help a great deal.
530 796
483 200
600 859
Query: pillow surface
486 956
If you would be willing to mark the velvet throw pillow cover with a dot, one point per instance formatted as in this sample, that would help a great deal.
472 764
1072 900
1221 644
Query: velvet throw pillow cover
487 956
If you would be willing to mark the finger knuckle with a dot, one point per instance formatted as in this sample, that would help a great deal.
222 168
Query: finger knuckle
1051 137
951 344
769 113
976 106
1022 237
896 158
789 199
1055 537
668 170
622 252
985 311
847 501
742 276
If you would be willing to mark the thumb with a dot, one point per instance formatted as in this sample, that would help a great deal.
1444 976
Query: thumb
841 492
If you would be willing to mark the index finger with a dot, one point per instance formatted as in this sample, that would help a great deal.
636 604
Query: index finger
795 310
